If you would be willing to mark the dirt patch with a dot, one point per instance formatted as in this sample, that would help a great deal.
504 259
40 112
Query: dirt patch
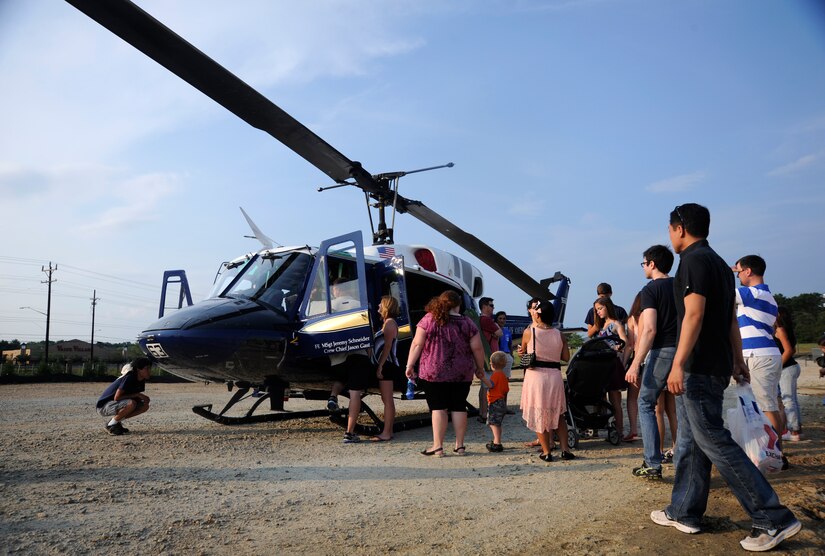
180 484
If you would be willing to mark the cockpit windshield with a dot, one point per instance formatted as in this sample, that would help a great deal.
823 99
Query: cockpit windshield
274 280
226 273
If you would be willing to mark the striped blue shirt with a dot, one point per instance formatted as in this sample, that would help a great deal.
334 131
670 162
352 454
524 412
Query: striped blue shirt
756 315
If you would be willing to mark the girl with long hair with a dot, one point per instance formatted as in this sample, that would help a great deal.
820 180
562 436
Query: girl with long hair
387 368
604 317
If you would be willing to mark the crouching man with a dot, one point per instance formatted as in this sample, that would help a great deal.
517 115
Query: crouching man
124 398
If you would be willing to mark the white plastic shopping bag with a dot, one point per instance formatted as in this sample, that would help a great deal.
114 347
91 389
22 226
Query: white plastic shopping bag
753 432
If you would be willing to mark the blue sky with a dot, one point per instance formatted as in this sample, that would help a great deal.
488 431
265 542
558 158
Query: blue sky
574 126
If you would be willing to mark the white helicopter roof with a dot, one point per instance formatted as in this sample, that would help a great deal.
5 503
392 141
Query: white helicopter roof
418 258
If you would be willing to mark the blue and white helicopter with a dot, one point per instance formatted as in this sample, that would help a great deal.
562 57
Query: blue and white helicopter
269 321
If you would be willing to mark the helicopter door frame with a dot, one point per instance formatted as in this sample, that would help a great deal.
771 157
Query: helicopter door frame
334 332
395 266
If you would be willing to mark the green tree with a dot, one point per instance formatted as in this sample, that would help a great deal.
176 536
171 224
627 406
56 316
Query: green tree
808 310
574 340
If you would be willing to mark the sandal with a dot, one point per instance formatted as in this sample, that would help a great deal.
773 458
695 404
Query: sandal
461 451
629 437
546 457
438 452
493 447
533 444
379 439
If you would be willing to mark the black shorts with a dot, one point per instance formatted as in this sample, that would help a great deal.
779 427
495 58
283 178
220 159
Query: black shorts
616 380
391 371
356 372
449 396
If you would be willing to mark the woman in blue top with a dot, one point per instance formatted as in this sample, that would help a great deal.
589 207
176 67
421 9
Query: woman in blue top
604 317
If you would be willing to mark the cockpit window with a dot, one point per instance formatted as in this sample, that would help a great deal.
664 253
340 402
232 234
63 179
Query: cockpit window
226 273
273 280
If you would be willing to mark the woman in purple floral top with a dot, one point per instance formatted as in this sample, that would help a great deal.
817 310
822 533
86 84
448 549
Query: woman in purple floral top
450 351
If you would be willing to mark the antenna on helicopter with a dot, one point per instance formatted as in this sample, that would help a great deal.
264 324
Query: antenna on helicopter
265 240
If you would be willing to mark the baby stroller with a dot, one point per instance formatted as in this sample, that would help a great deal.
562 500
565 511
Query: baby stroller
588 376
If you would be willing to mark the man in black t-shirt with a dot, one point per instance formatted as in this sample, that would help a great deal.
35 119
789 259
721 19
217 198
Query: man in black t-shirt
708 353
124 398
655 348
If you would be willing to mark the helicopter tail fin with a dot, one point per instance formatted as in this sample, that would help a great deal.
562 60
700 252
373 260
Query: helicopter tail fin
259 235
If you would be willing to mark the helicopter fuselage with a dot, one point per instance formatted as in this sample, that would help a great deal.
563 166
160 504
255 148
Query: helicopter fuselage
290 314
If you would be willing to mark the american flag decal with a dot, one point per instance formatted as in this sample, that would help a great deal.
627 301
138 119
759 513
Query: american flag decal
386 252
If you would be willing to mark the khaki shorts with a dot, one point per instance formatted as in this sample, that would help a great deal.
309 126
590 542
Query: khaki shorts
112 408
765 373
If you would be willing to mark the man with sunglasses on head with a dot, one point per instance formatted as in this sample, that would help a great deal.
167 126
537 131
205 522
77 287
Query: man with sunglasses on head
708 354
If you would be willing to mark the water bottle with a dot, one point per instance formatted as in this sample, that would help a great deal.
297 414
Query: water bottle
410 389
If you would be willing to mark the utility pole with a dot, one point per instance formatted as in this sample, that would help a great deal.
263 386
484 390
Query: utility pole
92 353
48 273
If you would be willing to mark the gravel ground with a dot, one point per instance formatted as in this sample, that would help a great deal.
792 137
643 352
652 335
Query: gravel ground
179 484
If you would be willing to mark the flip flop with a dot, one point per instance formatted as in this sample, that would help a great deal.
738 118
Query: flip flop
438 452
461 451
379 439
532 444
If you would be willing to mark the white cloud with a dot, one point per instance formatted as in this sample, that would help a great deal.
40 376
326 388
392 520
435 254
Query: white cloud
531 208
796 165
676 184
139 198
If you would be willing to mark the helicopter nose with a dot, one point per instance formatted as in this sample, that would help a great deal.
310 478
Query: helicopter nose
218 340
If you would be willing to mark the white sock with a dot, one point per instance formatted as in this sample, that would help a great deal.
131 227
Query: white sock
113 422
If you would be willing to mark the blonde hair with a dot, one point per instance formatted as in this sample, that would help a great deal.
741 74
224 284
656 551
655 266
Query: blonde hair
388 307
498 360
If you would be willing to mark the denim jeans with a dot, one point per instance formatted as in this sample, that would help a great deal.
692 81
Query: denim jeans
654 380
787 387
704 441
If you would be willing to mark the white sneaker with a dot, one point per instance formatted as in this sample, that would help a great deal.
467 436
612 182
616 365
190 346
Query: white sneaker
761 540
661 518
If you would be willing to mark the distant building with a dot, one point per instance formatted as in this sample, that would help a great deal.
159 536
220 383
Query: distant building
68 350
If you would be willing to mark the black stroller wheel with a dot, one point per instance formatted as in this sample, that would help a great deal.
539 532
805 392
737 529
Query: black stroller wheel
572 437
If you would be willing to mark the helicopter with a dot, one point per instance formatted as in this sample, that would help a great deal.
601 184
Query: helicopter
277 319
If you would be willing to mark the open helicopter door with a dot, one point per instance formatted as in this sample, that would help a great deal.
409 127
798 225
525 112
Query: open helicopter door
390 280
336 308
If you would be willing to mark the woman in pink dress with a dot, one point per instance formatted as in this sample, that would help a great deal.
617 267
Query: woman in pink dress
542 394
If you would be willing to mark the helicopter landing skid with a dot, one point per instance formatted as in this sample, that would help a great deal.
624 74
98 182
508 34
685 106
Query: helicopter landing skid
403 424
276 402
205 411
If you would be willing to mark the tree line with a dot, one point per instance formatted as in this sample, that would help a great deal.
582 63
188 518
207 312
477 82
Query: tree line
808 311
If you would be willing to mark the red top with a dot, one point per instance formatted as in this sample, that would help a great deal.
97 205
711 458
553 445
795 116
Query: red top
500 387
488 331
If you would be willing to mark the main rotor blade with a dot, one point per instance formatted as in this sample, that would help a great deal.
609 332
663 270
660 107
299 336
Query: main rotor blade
153 38
471 243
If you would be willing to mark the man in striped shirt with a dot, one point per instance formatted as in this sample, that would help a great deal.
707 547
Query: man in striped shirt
756 315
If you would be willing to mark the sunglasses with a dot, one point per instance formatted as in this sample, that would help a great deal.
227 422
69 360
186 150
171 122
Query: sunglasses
679 214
